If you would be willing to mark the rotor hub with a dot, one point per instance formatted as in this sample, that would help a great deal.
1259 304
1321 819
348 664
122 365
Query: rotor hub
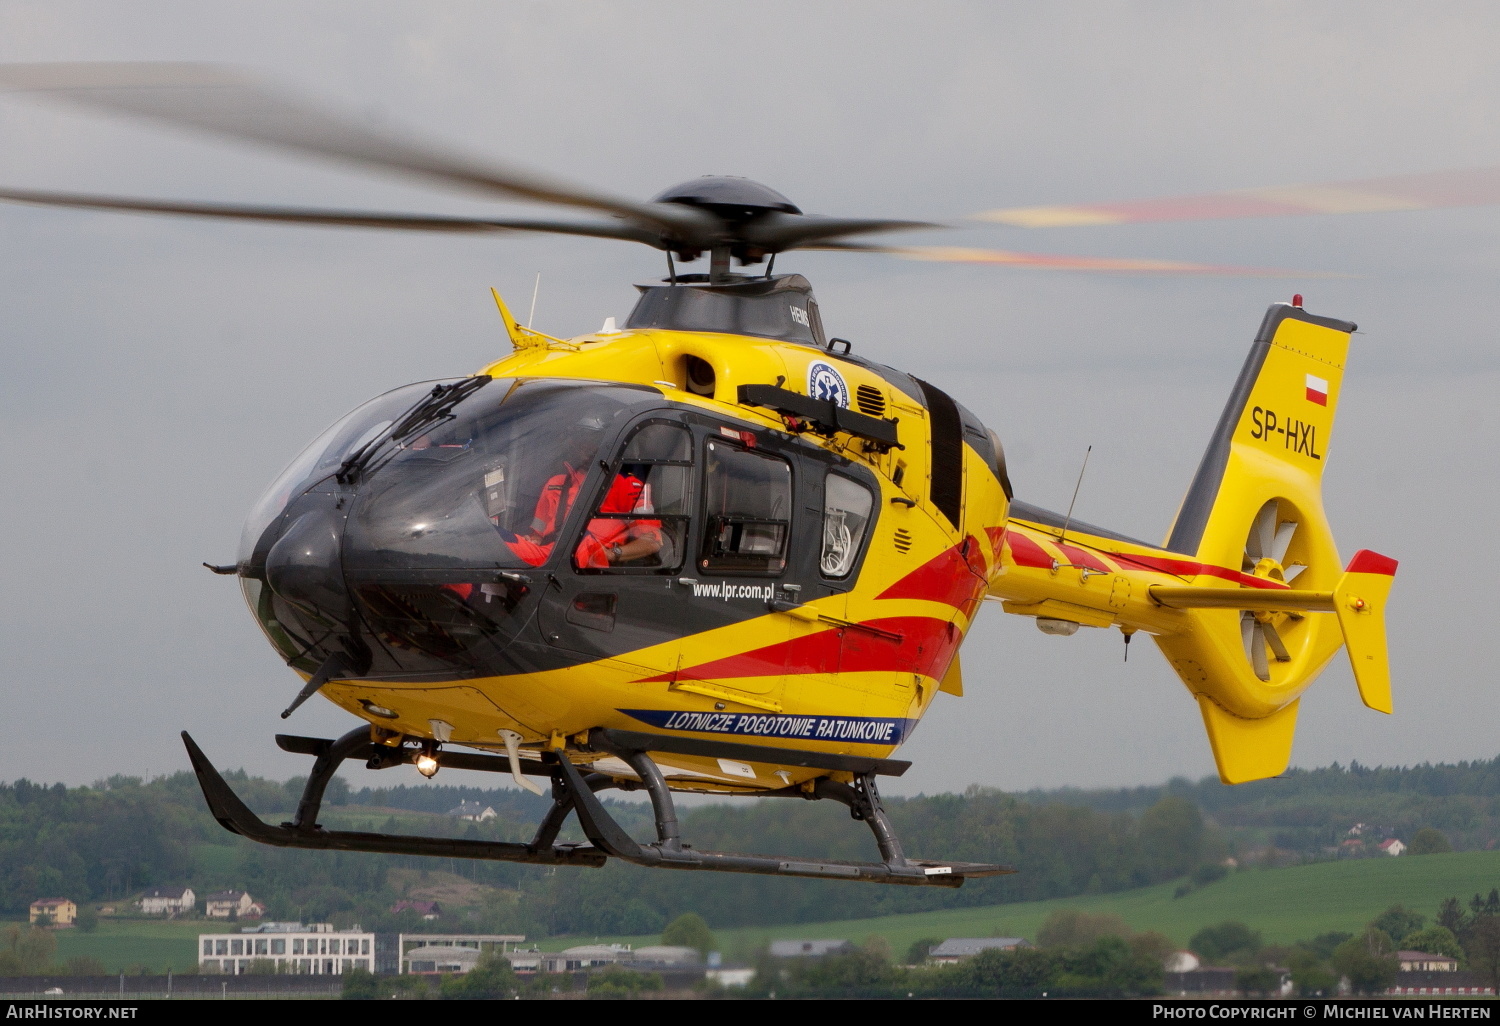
730 197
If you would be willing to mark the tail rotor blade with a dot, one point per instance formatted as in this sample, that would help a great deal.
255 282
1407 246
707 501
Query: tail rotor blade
1262 533
1258 660
1283 540
1274 642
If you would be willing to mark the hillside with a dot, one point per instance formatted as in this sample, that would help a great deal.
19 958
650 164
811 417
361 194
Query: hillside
1285 905
105 843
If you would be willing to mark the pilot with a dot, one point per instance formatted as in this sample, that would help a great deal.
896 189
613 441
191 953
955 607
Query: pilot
607 541
610 540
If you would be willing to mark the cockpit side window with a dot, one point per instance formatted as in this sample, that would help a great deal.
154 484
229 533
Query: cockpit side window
641 522
748 504
846 519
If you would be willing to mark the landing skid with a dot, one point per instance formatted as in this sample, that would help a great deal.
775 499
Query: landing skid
573 791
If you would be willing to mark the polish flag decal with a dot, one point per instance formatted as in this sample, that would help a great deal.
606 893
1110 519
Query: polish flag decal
1317 390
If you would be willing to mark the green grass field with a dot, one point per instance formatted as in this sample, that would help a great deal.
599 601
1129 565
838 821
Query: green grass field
1284 904
122 943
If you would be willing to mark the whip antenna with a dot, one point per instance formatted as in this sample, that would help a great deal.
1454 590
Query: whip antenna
534 290
1079 484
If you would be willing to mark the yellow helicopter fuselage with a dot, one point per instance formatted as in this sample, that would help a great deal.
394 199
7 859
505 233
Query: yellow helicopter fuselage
849 666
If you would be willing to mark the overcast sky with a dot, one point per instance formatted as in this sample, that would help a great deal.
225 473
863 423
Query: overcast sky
155 374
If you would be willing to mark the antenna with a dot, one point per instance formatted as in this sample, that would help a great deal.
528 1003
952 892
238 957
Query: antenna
534 290
1069 518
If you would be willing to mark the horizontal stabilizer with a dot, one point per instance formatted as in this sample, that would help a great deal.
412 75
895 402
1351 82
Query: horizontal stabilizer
1245 749
1288 600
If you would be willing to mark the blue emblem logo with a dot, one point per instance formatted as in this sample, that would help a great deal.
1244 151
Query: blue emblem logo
826 383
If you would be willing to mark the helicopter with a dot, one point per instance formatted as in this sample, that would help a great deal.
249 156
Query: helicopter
712 549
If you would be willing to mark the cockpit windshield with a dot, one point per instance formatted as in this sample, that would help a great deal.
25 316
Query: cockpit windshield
322 458
493 485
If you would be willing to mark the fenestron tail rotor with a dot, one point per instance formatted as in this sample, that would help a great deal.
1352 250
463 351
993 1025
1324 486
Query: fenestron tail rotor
1266 548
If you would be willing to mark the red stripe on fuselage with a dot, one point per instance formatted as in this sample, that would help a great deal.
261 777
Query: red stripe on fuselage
926 646
1078 557
1191 568
949 578
1027 552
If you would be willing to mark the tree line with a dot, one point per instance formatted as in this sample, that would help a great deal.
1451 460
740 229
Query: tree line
107 842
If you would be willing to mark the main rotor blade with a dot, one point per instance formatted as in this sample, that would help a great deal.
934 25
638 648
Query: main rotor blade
1472 187
336 218
778 231
228 103
1059 262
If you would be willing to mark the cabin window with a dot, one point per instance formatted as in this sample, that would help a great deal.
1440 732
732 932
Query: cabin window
641 521
748 499
846 518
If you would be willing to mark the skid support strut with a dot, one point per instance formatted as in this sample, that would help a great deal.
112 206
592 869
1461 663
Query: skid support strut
573 791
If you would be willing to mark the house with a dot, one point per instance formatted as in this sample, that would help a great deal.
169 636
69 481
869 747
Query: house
1391 846
1422 962
956 949
428 910
473 812
809 948
170 901
59 911
228 905
1182 962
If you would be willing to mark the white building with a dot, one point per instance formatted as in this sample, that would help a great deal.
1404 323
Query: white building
1426 962
316 949
1392 847
809 948
1182 962
585 956
450 952
957 949
473 812
666 954
169 901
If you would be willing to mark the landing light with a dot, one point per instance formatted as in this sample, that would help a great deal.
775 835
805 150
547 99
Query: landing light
427 763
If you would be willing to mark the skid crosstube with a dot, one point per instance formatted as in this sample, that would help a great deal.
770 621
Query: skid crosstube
573 793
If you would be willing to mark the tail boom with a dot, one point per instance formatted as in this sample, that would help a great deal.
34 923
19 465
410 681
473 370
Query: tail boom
1239 596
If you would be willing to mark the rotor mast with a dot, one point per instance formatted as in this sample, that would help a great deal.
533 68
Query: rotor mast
718 264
